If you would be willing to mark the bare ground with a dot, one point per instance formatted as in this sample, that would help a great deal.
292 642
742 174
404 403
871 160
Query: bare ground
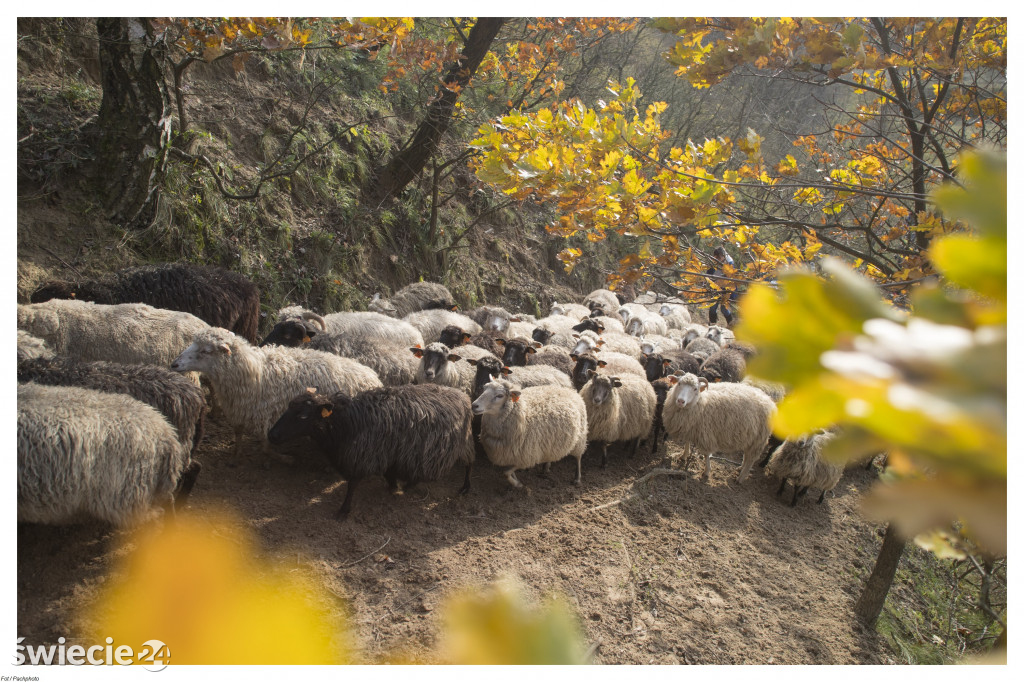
669 570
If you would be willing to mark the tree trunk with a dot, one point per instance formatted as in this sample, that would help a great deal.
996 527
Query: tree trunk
408 162
134 123
872 599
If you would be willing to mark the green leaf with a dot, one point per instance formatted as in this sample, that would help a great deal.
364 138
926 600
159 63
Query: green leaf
975 264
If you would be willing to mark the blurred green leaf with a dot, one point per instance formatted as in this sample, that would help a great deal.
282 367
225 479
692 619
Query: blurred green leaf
975 264
983 201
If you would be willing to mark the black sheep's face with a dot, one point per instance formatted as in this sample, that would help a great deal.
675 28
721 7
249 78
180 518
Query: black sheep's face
452 336
434 359
290 333
542 335
486 370
654 366
305 413
515 353
585 365
602 387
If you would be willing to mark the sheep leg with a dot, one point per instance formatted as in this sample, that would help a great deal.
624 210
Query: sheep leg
187 480
269 450
798 492
346 506
239 439
392 483
547 467
748 461
782 488
579 470
465 486
511 476
654 439
707 466
604 456
636 444
773 442
822 498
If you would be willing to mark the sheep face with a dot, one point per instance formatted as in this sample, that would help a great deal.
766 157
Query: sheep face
587 344
648 347
542 335
453 336
688 388
689 336
201 356
603 386
624 314
596 310
496 322
715 334
589 325
665 310
434 358
305 413
487 369
55 290
382 306
493 398
585 364
290 333
516 351
655 365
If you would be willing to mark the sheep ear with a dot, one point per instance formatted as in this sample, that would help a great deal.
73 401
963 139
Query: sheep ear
672 379
574 357
702 383
471 361
666 363
417 351
306 338
513 396
466 337
500 342
602 363
506 371
600 342
600 327
591 373
453 308
531 349
325 412
515 319
616 382
575 336
226 348
311 390
453 357
537 344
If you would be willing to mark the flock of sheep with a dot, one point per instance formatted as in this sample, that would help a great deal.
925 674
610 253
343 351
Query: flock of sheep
115 376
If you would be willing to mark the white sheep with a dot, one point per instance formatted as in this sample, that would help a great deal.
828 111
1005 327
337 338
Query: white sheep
254 384
801 461
628 310
642 325
604 299
720 335
718 418
573 310
129 333
350 326
676 316
431 323
32 347
83 452
413 297
523 427
619 408
589 341
537 375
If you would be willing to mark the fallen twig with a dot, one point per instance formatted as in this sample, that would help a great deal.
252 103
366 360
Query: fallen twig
353 563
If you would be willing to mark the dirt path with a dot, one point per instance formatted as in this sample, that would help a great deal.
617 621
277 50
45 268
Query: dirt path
679 571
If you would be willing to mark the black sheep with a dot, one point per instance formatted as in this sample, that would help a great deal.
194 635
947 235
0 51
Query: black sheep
521 352
405 433
658 365
219 297
453 336
177 398
727 364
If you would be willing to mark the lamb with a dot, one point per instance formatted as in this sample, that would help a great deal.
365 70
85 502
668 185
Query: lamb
718 418
219 297
130 333
32 347
403 433
430 323
574 310
414 297
660 365
726 364
83 453
609 363
177 398
523 427
619 408
720 335
802 462
601 298
439 365
254 384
